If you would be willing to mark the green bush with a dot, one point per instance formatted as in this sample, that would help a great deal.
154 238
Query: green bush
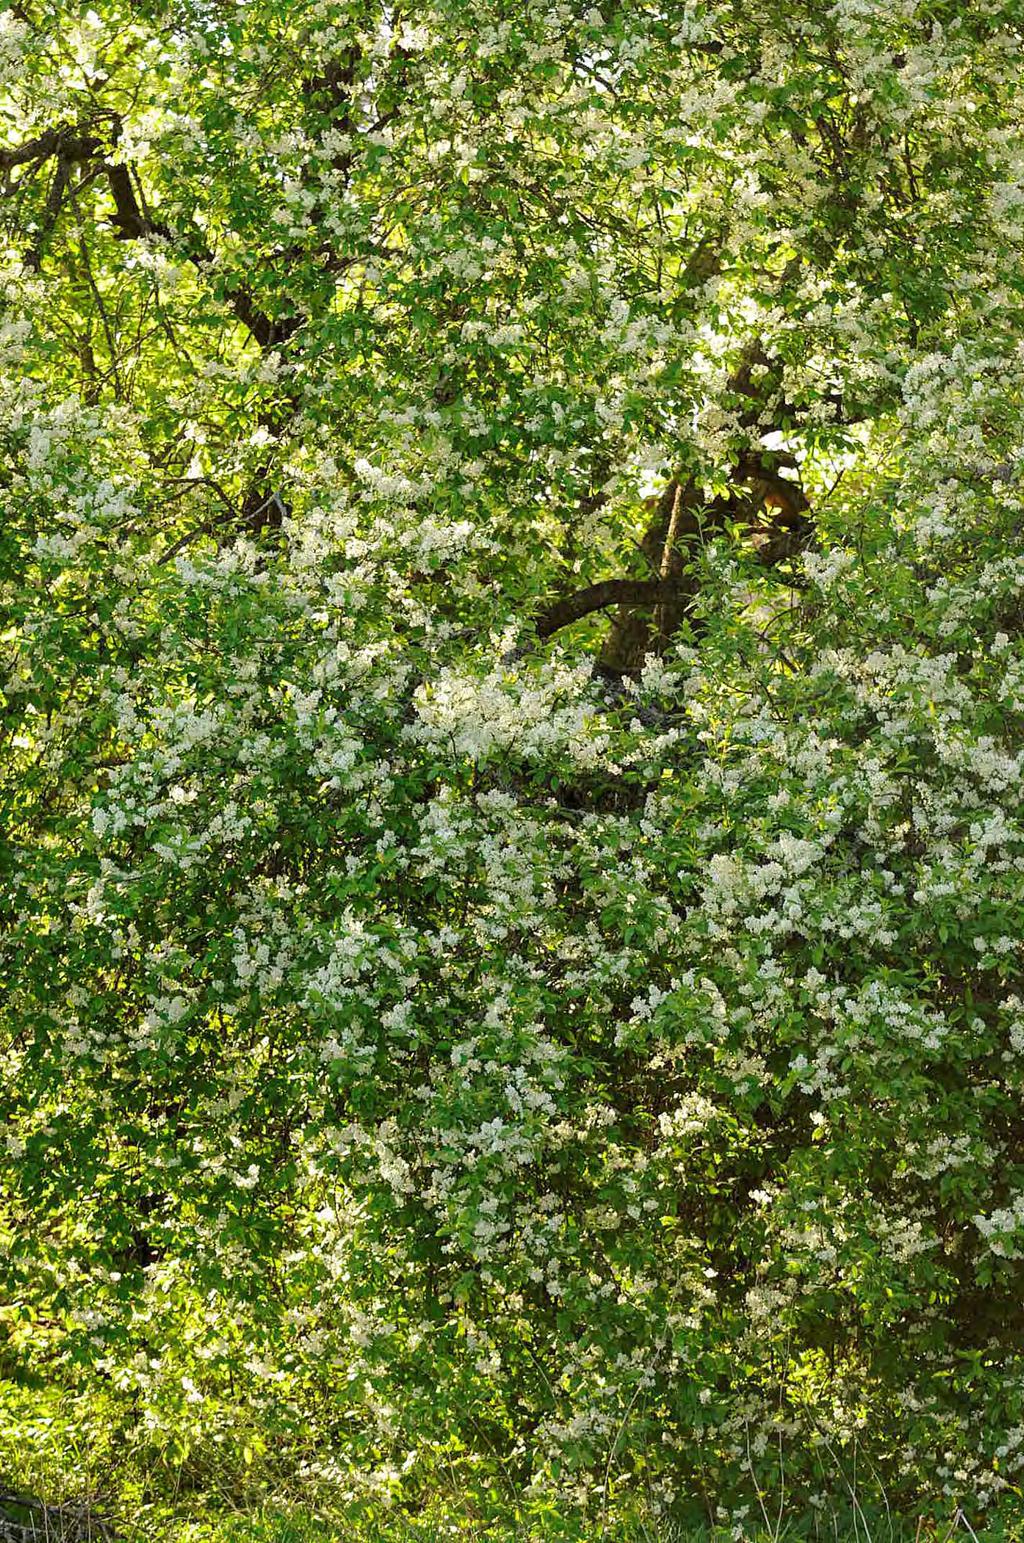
457 1041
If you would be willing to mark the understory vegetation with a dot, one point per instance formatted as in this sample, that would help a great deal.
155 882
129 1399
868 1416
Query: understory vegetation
512 723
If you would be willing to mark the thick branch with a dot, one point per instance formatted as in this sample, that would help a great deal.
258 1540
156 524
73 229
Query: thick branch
133 223
70 146
596 597
788 527
681 517
129 218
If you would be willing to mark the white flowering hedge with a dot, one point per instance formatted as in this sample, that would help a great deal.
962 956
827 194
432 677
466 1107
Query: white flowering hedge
513 684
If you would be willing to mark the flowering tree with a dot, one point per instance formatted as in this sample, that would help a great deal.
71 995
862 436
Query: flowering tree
513 674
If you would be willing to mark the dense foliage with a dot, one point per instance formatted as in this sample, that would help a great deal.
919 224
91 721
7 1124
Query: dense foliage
512 625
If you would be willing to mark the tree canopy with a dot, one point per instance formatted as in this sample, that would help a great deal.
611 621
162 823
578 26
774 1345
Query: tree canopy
512 635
